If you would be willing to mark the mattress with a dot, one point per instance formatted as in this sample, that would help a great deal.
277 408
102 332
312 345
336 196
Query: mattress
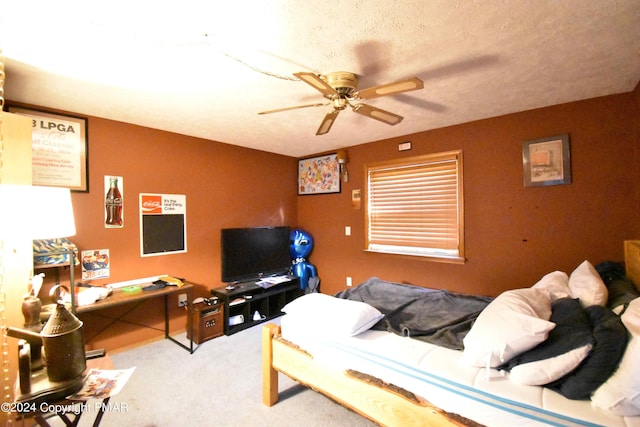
438 375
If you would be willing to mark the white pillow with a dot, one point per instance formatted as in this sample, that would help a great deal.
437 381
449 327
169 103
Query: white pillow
620 394
514 322
338 316
544 371
556 284
586 285
631 317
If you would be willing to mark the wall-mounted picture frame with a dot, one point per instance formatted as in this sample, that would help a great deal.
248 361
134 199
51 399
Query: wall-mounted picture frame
547 161
59 149
319 175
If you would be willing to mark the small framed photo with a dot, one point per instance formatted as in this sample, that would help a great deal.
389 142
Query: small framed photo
319 175
59 148
547 161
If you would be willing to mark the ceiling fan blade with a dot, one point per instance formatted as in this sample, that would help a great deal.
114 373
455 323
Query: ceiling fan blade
327 122
378 114
317 83
391 88
292 108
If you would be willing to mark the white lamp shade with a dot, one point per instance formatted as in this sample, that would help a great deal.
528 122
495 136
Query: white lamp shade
33 212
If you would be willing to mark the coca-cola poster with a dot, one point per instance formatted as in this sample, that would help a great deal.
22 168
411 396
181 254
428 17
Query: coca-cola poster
113 201
163 224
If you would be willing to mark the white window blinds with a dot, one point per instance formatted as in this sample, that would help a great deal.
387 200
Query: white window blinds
414 206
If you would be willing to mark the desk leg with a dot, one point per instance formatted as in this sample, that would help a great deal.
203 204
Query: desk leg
166 316
190 318
189 321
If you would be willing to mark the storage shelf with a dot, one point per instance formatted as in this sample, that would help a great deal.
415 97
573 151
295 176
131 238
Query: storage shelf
268 302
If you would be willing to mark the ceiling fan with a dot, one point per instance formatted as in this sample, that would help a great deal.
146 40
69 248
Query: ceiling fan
341 90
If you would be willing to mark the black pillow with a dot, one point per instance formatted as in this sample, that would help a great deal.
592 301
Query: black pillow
610 271
572 331
621 292
610 340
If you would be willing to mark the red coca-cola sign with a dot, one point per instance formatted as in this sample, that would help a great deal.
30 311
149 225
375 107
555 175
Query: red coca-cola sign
151 204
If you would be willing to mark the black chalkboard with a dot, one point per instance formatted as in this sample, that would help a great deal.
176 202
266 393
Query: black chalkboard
163 234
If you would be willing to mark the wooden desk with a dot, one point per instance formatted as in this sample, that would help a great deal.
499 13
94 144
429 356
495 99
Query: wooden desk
119 297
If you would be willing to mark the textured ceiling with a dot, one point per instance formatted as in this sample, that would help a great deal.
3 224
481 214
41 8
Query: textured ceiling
206 68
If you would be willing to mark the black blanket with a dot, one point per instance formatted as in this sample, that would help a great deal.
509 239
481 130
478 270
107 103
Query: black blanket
439 317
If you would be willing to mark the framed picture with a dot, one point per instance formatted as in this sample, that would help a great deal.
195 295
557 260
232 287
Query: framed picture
319 175
59 149
547 161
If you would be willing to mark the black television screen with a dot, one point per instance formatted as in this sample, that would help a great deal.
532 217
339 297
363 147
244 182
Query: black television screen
250 253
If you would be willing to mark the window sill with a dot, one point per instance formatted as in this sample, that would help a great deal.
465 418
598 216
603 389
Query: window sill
431 258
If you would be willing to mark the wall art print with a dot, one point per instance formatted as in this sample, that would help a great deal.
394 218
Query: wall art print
319 175
547 161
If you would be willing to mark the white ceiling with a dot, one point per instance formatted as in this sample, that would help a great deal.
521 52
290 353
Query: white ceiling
206 68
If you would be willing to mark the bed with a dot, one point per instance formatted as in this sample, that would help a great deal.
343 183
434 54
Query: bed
375 356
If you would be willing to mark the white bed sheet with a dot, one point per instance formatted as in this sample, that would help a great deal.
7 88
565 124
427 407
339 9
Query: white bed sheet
438 375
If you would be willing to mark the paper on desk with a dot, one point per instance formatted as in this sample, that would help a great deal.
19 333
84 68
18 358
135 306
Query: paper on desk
273 280
103 383
268 282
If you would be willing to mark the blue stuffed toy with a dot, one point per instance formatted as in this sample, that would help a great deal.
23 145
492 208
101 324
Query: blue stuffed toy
301 246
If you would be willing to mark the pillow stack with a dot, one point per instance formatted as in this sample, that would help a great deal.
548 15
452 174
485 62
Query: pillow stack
514 322
567 346
558 333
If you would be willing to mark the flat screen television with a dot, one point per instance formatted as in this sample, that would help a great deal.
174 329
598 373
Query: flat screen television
250 253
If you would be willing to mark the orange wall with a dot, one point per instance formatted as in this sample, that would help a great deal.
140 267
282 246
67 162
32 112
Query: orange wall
225 186
514 235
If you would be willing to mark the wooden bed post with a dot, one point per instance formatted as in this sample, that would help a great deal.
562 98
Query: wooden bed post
269 375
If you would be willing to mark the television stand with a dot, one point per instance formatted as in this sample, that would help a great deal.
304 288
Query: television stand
242 302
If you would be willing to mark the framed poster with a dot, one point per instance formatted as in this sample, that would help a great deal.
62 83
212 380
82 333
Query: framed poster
319 175
59 149
163 224
547 161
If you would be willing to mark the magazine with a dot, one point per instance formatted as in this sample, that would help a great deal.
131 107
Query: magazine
103 383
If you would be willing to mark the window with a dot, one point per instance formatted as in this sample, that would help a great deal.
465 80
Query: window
414 206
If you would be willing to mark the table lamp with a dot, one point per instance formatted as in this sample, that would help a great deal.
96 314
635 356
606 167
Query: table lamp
34 212
30 213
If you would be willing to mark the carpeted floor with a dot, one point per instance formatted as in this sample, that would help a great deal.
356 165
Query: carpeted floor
218 385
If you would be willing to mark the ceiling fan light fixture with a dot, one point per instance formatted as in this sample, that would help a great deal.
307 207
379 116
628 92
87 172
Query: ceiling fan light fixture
343 82
340 89
340 102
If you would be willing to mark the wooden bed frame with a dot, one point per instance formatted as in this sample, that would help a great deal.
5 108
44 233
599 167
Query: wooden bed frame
380 402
